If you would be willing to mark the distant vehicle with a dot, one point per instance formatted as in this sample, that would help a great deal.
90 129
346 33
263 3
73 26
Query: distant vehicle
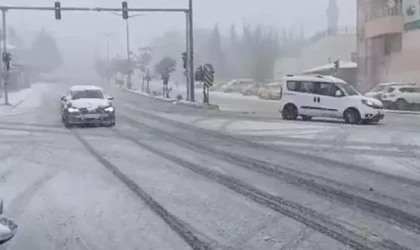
326 96
401 96
379 89
251 89
237 85
270 91
87 105
8 228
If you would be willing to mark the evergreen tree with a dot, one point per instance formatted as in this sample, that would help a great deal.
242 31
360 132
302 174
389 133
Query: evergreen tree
14 39
215 54
45 54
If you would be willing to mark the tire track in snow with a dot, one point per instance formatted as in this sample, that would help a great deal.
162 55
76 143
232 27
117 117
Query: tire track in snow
268 148
310 218
177 225
323 187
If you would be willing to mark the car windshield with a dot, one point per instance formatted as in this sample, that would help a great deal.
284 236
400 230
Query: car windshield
378 88
87 94
347 88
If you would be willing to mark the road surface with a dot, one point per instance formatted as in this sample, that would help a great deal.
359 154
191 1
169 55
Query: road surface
169 177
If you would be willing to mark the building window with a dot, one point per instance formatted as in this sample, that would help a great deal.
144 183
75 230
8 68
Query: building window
392 43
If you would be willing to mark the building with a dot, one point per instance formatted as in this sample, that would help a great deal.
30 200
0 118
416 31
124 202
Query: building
331 44
388 35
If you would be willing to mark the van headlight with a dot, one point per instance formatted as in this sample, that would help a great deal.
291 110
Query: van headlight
369 103
109 109
72 110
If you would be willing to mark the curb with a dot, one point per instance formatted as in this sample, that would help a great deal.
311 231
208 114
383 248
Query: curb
398 112
201 106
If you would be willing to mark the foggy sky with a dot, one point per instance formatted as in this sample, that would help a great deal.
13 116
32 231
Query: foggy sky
83 30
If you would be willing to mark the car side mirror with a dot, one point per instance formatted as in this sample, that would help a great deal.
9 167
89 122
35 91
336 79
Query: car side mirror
63 98
110 98
338 93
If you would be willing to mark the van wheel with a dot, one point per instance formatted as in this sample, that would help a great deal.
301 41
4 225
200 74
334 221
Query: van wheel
352 116
289 112
306 118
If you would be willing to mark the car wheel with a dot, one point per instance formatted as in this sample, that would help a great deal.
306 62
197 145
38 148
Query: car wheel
306 118
289 112
67 125
352 116
401 104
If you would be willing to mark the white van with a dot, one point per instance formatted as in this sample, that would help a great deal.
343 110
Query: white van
326 96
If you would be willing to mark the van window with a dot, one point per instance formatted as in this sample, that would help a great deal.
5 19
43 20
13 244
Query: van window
347 88
391 89
293 86
306 87
322 88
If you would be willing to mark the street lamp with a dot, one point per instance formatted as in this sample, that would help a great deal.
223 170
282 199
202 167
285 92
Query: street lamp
108 36
128 44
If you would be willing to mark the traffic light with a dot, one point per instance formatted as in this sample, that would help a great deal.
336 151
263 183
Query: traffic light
57 6
337 65
7 58
184 60
125 9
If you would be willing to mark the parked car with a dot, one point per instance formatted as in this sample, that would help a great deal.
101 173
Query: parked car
270 91
327 96
379 89
237 85
402 97
252 89
87 105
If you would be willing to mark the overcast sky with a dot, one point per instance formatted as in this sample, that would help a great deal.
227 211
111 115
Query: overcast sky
76 29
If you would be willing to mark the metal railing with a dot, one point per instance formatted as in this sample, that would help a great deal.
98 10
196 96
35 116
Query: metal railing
383 9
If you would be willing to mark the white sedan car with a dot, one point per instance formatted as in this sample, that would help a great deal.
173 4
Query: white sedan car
87 105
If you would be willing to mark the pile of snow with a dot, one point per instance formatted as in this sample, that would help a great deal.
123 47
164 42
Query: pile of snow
330 66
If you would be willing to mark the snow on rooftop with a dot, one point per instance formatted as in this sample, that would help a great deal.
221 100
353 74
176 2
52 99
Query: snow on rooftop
343 65
313 77
85 87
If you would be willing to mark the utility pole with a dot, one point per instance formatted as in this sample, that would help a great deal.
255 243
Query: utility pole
190 52
108 45
128 54
185 59
4 69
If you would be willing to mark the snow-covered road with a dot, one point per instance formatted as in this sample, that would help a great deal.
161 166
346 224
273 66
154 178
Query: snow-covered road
169 177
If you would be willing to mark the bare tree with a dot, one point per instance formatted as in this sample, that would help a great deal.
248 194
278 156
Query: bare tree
164 68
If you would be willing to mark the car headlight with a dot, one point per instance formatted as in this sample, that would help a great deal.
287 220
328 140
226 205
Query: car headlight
109 109
72 110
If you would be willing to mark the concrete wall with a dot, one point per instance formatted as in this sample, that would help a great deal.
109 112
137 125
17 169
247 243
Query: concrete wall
404 65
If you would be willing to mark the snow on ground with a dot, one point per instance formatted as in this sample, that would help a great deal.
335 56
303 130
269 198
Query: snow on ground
30 98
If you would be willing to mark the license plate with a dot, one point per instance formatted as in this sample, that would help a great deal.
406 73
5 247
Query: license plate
92 116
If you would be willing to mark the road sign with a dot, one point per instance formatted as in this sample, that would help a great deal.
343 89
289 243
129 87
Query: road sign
208 75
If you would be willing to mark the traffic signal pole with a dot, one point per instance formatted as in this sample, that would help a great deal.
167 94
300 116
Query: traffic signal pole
190 52
4 69
57 9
